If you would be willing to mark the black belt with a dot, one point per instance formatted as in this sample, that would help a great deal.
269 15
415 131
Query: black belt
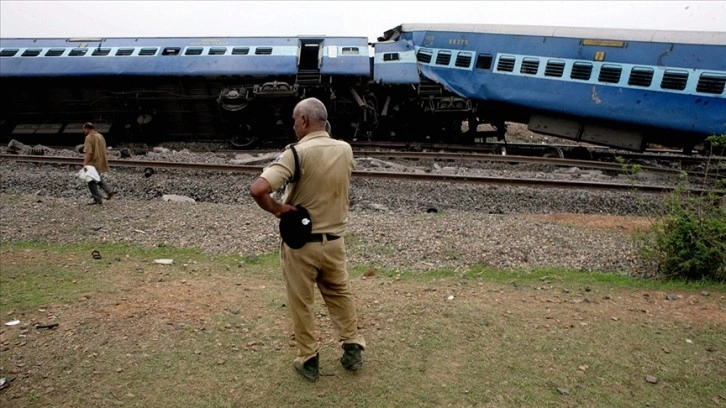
319 237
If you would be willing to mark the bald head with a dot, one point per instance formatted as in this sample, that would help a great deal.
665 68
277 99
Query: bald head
309 115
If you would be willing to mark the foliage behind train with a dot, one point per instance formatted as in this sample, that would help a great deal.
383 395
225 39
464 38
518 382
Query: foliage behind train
421 82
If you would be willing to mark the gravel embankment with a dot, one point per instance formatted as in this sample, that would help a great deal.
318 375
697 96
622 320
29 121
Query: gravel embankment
392 224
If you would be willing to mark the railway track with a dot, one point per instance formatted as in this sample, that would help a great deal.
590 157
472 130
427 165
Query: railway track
393 175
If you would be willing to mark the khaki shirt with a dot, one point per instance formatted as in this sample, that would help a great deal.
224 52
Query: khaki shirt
326 166
95 144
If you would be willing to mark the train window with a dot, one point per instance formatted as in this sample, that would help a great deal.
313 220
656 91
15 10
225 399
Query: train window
506 64
610 74
640 76
529 66
263 51
101 52
484 61
148 51
31 52
674 79
463 60
194 51
581 70
711 83
240 51
217 51
443 58
123 52
424 56
555 68
391 56
55 52
171 51
350 51
9 52
78 52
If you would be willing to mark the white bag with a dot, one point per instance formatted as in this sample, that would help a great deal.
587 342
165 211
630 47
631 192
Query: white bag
88 174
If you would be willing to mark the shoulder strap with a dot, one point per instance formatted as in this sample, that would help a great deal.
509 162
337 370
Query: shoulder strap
296 175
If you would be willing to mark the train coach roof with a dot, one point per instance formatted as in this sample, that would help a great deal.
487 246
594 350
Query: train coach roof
667 36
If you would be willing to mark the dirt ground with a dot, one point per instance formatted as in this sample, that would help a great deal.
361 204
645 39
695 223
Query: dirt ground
144 306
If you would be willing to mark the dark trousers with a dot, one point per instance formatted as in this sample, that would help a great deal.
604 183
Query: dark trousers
93 186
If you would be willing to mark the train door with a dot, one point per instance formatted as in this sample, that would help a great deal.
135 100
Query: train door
308 66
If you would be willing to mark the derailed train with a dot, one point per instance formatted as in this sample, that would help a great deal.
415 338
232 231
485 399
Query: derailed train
419 82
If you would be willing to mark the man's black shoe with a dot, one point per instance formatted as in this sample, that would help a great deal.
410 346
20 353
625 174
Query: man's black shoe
351 358
310 369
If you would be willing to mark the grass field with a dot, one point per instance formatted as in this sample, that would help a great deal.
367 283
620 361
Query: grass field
215 332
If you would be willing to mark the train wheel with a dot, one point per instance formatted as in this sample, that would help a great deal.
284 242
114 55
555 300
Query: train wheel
554 153
246 141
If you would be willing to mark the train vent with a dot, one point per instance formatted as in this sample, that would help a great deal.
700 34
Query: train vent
640 76
711 83
429 88
555 68
674 79
610 74
506 64
581 70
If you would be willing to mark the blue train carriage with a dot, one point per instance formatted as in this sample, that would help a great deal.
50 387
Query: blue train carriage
619 88
411 106
180 88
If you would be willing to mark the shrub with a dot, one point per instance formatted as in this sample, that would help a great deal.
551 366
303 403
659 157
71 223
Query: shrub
689 240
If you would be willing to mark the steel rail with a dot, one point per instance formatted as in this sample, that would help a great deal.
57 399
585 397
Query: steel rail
528 182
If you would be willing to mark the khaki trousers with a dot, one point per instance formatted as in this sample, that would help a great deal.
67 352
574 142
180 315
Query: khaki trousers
321 263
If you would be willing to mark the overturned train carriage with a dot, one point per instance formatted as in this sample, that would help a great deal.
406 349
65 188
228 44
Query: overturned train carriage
423 82
154 89
620 88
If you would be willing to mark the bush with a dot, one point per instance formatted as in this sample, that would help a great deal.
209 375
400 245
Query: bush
689 240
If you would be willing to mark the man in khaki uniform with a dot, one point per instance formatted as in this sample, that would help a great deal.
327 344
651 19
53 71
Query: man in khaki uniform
94 154
325 167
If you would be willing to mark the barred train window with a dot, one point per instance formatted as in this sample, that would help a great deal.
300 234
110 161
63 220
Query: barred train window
124 52
55 52
9 52
674 79
443 58
555 68
101 52
424 56
640 76
350 51
193 51
391 56
78 52
463 60
148 51
712 83
581 70
610 74
263 51
32 52
217 51
529 66
240 50
506 64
